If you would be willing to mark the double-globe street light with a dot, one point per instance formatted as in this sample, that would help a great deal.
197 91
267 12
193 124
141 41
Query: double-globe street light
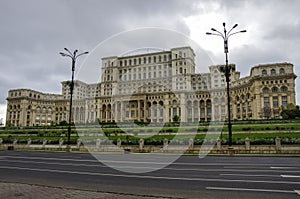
226 70
73 57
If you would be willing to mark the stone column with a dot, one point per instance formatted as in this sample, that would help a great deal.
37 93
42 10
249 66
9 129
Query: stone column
44 142
98 142
191 144
183 117
193 111
166 110
119 142
141 144
138 116
78 143
61 142
219 144
15 141
121 111
145 110
247 144
166 143
28 141
278 144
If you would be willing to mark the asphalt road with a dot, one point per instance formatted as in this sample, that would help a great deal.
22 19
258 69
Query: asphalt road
188 177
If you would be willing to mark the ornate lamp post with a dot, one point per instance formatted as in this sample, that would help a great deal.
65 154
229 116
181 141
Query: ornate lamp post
73 57
226 70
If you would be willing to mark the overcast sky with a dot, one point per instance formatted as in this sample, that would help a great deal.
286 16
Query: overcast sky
34 31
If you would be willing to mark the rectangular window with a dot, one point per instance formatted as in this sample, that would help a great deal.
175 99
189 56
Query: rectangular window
174 111
275 101
132 114
284 101
266 102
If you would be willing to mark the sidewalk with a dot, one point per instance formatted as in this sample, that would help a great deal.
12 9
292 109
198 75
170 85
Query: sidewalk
26 191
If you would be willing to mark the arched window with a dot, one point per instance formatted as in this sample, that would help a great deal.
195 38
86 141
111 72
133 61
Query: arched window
274 90
283 89
174 102
281 71
265 90
121 63
154 59
264 72
273 71
130 62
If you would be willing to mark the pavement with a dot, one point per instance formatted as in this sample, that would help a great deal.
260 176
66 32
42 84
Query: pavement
27 191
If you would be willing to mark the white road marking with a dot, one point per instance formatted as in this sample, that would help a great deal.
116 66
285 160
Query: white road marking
130 165
297 191
284 167
289 176
143 162
249 175
254 190
146 176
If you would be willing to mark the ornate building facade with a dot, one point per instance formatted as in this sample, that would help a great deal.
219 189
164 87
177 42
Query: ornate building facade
158 87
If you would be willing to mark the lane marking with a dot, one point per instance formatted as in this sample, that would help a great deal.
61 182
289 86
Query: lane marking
284 167
289 176
144 162
249 175
146 176
149 167
253 190
297 191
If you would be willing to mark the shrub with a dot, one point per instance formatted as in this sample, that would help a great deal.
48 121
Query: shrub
246 128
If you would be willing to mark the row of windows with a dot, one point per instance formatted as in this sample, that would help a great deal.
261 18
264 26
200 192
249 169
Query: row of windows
276 82
283 89
272 71
150 59
275 101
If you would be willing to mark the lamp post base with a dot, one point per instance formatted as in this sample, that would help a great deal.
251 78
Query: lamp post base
68 148
231 151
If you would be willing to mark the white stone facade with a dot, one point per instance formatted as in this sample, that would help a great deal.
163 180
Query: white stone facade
156 87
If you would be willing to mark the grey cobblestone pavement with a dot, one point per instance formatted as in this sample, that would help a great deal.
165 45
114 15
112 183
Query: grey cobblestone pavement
26 191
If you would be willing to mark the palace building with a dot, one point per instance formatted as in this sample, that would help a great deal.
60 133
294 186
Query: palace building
158 87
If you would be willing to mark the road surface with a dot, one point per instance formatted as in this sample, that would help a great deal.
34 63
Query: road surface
188 177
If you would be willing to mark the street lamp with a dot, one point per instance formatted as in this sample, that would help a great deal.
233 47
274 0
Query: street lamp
74 57
226 70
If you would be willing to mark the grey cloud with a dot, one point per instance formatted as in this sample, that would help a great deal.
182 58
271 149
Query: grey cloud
33 32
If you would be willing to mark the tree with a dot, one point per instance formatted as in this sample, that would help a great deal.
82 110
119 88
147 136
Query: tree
267 112
176 118
290 112
8 124
63 123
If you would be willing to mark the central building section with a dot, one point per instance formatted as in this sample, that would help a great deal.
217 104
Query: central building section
153 87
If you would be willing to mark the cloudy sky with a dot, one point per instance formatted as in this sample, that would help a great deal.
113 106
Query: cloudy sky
34 31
